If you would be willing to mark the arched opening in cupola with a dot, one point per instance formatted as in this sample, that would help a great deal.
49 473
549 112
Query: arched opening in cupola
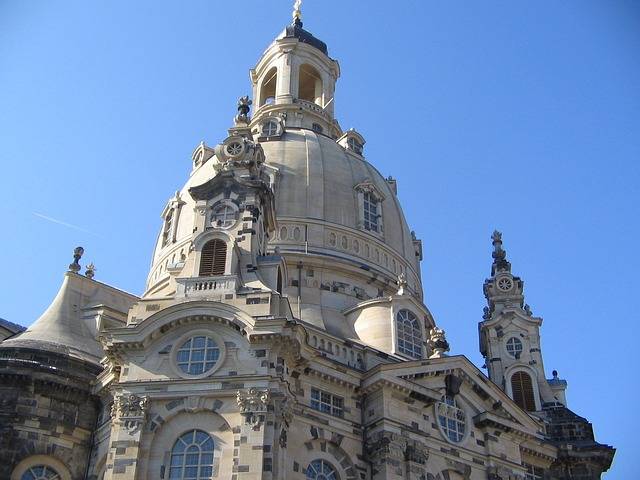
310 85
268 87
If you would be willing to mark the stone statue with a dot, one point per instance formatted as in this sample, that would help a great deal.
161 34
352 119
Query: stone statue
402 283
244 105
437 342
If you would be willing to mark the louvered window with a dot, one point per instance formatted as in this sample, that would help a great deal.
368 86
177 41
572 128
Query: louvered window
213 258
522 390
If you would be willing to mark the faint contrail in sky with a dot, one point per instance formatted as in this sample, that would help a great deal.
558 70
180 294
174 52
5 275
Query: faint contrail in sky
64 224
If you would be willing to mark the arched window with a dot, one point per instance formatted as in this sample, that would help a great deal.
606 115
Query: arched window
321 470
409 334
168 228
522 390
40 472
213 258
310 86
268 88
192 457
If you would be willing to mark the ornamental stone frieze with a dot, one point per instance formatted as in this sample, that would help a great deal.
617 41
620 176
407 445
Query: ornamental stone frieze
130 411
253 404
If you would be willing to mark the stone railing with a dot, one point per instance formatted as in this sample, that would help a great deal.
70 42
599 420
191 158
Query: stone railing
313 107
206 286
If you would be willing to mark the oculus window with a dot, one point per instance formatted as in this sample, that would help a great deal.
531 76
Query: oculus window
197 355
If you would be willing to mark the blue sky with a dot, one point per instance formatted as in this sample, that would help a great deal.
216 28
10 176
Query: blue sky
521 116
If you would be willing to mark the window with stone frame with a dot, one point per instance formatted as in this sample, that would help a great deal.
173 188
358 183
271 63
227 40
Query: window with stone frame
40 472
533 473
409 334
223 215
167 230
371 214
370 207
327 402
192 457
213 258
321 470
522 391
452 419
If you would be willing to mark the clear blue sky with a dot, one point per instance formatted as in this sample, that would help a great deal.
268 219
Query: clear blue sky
521 116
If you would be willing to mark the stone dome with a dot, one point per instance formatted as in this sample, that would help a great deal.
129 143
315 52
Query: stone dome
318 184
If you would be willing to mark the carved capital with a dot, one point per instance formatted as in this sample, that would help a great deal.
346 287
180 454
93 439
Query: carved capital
130 411
253 405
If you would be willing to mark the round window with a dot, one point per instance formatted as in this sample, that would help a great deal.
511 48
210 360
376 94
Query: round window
234 149
197 355
270 128
223 215
451 419
514 347
321 470
505 284
40 472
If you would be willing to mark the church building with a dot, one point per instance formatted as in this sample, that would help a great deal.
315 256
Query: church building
283 333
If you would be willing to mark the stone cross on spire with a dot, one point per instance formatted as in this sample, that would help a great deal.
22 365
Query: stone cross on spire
500 263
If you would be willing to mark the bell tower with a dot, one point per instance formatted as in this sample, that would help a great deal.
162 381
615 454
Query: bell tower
510 339
295 80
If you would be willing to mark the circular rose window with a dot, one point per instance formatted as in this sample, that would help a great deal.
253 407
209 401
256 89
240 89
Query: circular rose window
197 355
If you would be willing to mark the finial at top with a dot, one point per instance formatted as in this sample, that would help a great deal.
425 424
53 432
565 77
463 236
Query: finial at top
500 263
77 255
297 12
90 271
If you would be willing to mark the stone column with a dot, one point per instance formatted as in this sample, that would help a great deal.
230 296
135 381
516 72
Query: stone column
128 416
249 436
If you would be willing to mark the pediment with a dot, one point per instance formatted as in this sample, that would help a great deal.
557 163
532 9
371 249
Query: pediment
487 403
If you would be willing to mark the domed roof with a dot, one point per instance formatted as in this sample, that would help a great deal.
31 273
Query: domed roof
318 185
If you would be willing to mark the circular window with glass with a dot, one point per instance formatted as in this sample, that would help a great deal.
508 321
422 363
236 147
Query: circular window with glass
452 420
514 347
40 472
223 215
198 355
321 470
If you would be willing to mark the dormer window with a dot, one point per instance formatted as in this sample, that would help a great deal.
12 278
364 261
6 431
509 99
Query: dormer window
270 128
354 145
370 207
370 212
